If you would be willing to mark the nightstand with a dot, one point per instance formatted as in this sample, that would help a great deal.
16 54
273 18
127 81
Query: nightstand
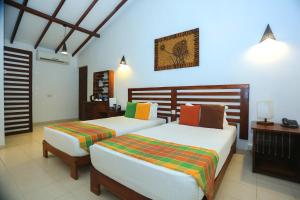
276 151
114 113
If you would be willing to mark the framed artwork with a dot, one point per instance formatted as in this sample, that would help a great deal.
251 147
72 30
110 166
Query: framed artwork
177 51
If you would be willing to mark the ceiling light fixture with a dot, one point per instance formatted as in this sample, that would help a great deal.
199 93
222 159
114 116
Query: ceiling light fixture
64 49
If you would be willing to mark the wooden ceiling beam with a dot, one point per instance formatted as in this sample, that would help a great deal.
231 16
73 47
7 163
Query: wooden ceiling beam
100 25
49 23
77 24
16 27
50 18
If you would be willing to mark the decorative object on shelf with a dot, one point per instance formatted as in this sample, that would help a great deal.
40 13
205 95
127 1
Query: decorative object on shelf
103 85
112 102
64 49
268 34
177 51
265 113
123 62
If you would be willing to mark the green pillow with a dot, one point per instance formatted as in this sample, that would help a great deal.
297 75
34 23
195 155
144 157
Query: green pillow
130 110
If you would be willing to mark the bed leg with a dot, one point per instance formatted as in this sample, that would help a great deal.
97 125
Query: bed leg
95 186
45 151
74 171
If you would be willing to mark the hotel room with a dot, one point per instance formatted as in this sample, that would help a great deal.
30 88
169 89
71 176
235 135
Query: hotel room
140 99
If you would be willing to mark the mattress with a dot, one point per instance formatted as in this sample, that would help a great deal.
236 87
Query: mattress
120 124
158 182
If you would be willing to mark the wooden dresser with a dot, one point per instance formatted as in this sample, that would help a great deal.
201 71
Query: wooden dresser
276 151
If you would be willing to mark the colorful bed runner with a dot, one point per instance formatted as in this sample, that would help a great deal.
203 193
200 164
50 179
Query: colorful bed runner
198 162
87 134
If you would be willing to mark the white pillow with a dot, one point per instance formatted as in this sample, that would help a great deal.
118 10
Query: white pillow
153 111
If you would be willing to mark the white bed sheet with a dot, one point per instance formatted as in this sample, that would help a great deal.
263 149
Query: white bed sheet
157 182
120 124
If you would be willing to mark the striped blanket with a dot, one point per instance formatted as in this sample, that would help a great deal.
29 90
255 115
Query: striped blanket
87 134
198 162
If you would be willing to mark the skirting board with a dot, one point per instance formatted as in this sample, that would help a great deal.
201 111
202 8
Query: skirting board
54 121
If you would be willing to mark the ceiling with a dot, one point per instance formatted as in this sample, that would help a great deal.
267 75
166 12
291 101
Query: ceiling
31 26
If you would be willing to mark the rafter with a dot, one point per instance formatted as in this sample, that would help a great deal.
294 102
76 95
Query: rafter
100 25
77 24
16 27
50 18
49 23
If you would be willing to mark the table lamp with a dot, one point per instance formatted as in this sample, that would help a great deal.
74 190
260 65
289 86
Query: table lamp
265 113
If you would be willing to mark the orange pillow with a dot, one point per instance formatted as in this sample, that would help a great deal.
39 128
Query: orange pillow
142 111
190 115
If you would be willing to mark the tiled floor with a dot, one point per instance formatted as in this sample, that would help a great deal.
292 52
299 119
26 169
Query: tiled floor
26 175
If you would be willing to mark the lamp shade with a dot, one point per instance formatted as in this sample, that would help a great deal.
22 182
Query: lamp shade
268 34
123 61
64 49
265 110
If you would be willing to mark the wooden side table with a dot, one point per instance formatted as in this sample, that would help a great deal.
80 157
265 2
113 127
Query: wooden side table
276 151
114 113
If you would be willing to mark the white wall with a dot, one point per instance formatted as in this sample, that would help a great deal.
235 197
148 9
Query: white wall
2 138
228 30
54 88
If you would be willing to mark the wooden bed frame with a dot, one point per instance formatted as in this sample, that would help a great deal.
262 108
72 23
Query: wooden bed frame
172 98
73 162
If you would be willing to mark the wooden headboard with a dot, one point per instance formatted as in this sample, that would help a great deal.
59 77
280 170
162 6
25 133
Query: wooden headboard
169 99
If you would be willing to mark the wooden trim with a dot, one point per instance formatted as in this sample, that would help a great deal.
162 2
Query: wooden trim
16 70
61 3
16 60
208 93
72 161
99 179
16 27
87 11
235 96
16 65
16 50
50 18
14 94
100 26
15 55
17 132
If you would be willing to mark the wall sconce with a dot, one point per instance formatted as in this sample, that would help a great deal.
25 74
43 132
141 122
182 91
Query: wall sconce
268 34
123 62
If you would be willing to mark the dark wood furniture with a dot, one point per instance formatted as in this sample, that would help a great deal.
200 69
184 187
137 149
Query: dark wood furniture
276 151
170 98
73 162
17 91
113 113
83 81
98 179
94 110
103 85
103 88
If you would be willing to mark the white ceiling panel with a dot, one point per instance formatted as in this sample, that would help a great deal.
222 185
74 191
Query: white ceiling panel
44 6
73 9
31 26
101 10
10 16
53 36
75 40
